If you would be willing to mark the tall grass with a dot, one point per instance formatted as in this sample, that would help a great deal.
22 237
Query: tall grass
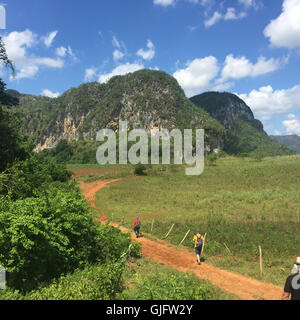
241 202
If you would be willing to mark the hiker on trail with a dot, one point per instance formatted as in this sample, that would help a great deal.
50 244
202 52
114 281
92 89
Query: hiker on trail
198 242
136 226
292 284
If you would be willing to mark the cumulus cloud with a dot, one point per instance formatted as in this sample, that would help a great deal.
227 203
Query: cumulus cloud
284 31
50 94
267 102
241 67
27 64
149 53
292 125
120 70
207 74
197 75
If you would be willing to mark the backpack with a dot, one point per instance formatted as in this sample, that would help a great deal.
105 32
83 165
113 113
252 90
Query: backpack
138 224
199 242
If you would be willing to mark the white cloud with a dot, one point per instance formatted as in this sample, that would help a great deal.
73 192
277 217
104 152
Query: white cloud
120 70
90 74
164 3
115 42
120 51
16 43
292 126
147 54
277 133
267 102
197 75
213 20
64 52
284 31
232 15
26 72
27 64
50 94
241 67
205 73
256 4
72 54
61 51
118 55
49 39
229 15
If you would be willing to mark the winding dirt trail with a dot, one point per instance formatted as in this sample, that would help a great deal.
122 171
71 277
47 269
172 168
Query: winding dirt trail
243 287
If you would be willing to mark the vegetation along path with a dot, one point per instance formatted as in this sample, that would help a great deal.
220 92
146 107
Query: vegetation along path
181 259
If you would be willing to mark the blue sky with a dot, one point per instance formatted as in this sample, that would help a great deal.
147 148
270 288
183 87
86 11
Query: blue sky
248 47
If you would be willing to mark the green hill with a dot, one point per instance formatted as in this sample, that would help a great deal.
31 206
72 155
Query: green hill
146 99
244 133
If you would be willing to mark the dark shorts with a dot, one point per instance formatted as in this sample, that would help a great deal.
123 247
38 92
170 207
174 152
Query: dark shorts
198 250
136 229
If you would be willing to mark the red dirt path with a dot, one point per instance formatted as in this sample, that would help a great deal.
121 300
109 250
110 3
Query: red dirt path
178 258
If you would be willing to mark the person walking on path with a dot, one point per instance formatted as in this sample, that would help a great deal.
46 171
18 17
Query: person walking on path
137 226
198 243
292 284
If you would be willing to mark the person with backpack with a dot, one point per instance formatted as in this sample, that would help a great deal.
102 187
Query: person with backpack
198 242
292 284
137 226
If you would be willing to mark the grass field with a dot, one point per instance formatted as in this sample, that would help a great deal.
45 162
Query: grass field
148 280
241 202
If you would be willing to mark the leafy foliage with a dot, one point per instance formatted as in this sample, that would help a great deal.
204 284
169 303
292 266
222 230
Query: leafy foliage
43 237
94 282
29 177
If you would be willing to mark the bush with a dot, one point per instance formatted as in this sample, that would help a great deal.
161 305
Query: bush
41 238
212 158
24 179
139 170
97 282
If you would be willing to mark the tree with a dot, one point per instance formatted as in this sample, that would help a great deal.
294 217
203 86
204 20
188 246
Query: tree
10 141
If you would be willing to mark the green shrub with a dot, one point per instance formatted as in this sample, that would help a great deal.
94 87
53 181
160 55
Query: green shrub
97 282
25 178
41 238
140 169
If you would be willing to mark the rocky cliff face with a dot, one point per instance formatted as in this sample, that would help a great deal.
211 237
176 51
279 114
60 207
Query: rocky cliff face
225 107
244 133
146 99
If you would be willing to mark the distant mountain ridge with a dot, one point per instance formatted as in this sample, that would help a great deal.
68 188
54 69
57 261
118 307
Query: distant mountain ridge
244 133
146 99
290 141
